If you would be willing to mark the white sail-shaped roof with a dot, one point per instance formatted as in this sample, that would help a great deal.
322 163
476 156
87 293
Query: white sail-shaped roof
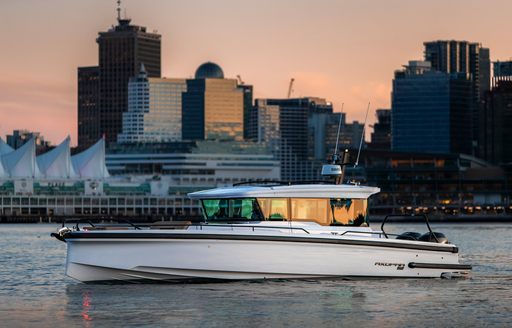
91 162
5 148
21 163
56 163
3 171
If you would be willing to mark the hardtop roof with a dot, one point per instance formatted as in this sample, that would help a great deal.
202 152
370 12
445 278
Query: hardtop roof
291 191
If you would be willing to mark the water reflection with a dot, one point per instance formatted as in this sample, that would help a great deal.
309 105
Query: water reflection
35 292
249 303
86 304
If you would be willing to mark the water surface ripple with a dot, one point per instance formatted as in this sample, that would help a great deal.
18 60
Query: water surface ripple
35 292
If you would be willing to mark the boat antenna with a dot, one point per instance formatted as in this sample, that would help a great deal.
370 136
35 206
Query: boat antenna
362 136
335 155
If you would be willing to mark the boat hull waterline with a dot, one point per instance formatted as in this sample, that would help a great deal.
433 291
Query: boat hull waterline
97 256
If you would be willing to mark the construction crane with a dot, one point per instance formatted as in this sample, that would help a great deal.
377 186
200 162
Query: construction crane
240 81
290 88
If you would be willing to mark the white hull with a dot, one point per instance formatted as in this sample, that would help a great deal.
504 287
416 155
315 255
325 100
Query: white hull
168 259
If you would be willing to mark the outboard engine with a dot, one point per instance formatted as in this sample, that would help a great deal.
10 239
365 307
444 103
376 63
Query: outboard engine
409 236
431 237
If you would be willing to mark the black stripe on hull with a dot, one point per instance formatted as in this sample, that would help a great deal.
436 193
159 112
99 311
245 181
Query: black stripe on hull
414 265
313 240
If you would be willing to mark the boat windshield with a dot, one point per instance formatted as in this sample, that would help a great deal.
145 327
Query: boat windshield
240 209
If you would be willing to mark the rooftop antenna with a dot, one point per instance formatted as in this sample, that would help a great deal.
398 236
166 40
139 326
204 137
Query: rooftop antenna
118 10
362 136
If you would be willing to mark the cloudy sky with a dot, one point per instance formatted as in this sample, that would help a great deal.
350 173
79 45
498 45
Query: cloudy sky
342 50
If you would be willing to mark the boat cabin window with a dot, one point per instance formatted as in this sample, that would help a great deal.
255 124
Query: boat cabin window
274 209
310 209
324 211
345 211
232 209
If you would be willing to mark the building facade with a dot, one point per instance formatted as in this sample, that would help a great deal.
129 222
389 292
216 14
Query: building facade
288 127
496 119
248 105
213 107
88 106
469 58
122 50
381 135
154 109
431 111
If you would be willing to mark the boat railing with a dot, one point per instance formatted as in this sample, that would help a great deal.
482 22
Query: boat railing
173 224
253 227
424 216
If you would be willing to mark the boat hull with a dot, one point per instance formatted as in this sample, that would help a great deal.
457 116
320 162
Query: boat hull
225 257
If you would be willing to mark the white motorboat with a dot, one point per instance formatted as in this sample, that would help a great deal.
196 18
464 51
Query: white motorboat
266 231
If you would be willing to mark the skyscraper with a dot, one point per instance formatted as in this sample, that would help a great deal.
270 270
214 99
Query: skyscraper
122 50
468 58
88 106
154 109
288 127
213 107
248 104
430 110
496 119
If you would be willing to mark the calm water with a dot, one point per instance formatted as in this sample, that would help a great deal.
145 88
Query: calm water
35 292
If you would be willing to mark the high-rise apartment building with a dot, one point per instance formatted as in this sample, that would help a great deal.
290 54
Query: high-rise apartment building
154 109
88 106
323 129
468 58
213 107
496 119
288 127
122 50
248 104
431 110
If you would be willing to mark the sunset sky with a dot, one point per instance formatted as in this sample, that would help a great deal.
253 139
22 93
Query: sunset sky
344 51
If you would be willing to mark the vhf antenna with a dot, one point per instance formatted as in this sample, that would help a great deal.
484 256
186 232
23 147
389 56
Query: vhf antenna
335 155
362 135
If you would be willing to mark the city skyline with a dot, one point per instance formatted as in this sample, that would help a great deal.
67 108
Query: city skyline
331 49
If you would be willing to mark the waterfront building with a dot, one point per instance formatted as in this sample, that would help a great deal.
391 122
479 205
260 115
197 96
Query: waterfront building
147 180
381 135
441 185
431 110
122 50
213 107
496 118
154 109
469 58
